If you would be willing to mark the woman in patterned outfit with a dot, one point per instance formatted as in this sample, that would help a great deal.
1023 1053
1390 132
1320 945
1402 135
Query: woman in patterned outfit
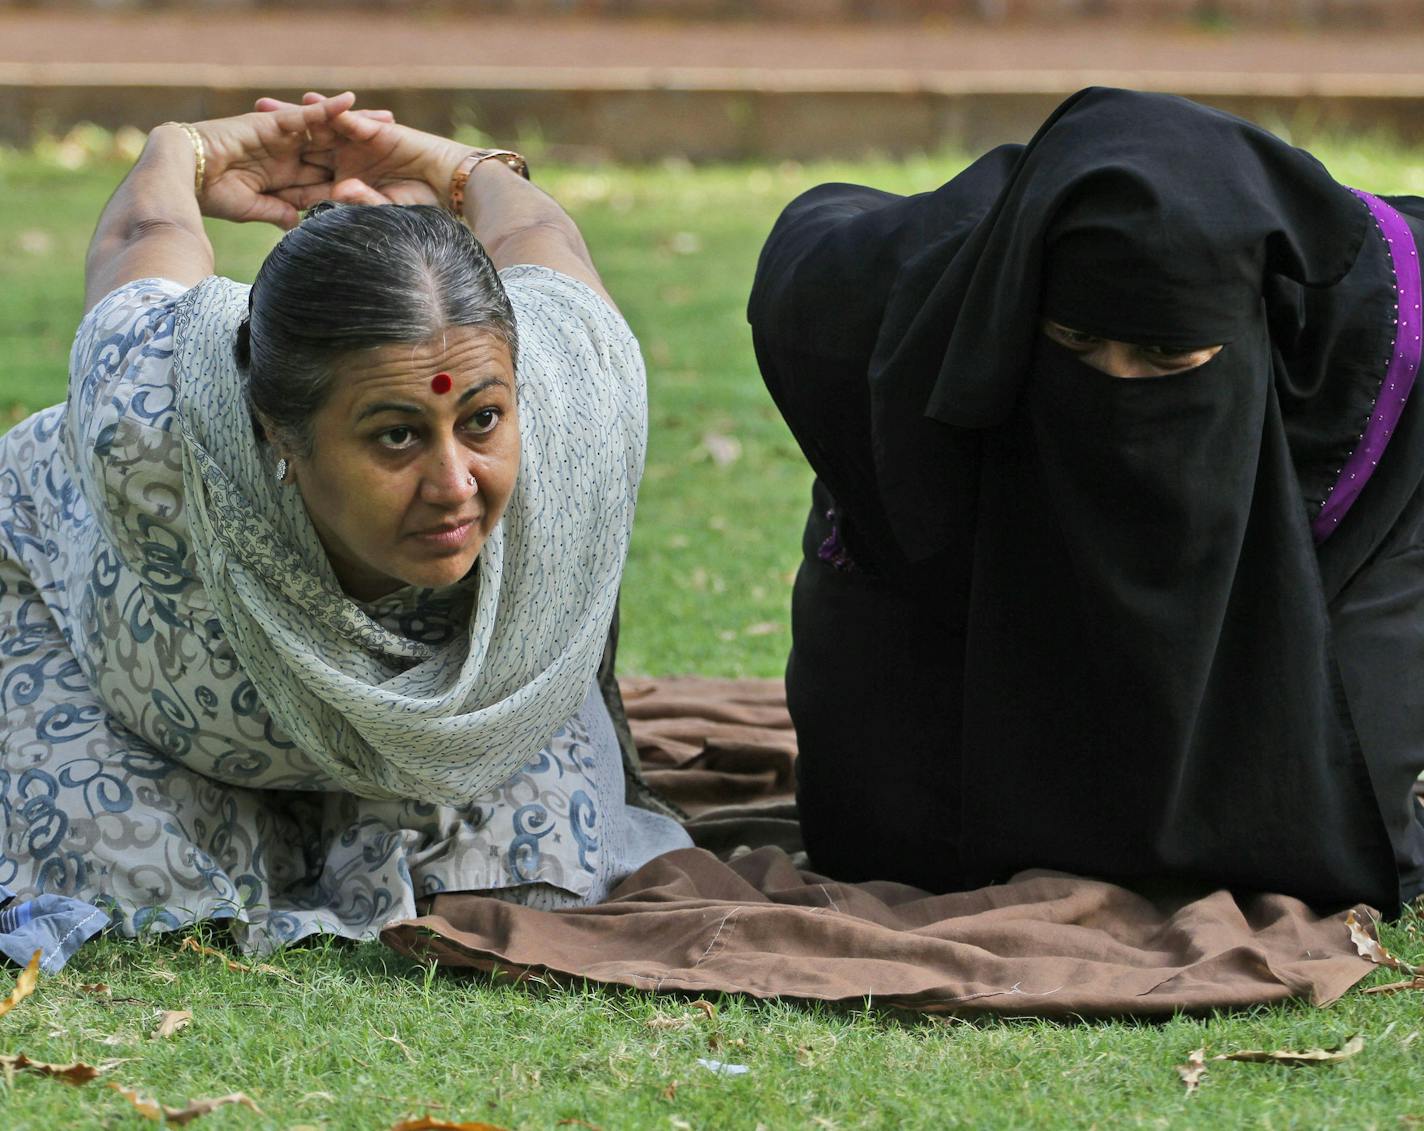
302 593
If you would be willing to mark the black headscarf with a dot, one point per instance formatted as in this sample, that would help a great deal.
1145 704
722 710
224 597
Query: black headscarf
1149 685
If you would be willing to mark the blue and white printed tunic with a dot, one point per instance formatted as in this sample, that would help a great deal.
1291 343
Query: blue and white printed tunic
139 770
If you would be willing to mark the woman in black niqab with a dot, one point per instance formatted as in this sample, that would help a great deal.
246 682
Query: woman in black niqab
1147 628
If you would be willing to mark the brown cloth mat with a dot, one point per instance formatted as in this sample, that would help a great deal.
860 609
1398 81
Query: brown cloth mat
1042 944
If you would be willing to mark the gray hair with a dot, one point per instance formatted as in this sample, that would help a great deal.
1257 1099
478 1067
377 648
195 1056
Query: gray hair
353 277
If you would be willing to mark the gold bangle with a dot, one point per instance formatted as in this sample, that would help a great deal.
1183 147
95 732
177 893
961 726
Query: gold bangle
200 155
467 164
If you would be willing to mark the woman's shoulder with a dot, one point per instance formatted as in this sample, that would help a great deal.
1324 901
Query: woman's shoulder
542 296
129 307
127 337
120 430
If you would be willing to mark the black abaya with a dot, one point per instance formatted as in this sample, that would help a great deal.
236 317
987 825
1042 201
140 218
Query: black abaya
1054 618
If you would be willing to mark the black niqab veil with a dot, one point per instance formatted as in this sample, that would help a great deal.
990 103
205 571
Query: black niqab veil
1149 686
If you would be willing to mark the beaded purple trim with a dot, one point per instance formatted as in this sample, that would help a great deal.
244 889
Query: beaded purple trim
1399 376
833 551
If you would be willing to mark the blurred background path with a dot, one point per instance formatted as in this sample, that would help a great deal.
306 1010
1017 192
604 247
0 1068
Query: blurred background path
357 38
636 89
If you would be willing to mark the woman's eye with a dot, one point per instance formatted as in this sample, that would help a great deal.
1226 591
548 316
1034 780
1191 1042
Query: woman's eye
484 420
398 437
1074 339
1169 356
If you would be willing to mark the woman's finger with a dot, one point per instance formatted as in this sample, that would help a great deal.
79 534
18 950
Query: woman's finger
356 191
309 173
267 105
353 127
313 96
319 113
299 119
304 196
323 159
268 209
297 122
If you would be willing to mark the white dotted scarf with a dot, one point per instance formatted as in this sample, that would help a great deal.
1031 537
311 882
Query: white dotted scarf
383 715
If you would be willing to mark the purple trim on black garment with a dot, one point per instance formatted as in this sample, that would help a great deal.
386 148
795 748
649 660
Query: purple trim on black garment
833 551
1398 377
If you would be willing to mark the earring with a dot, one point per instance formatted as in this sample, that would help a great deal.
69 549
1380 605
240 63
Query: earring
282 470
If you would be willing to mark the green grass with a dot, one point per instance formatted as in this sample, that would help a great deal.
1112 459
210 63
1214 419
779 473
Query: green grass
315 1052
705 591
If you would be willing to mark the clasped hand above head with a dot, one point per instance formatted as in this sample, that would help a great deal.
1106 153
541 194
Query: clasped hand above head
268 165
249 166
284 157
368 158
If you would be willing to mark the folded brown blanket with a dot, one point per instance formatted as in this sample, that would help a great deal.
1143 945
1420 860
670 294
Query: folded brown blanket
1044 944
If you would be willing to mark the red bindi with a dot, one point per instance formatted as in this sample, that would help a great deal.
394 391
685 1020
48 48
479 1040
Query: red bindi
440 383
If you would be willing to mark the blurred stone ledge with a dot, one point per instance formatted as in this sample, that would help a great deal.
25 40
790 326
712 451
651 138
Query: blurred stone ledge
1213 13
647 113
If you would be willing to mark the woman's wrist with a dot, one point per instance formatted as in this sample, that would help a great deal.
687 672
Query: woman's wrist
476 173
441 165
179 147
169 166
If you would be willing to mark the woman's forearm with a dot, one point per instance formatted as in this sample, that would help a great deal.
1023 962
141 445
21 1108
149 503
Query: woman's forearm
152 223
501 206
517 222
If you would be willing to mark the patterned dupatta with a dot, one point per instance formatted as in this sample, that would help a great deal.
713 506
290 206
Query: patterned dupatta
385 716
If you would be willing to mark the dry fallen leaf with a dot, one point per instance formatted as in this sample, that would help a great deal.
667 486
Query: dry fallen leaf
76 1073
98 989
666 1021
723 450
196 947
1369 946
24 984
394 1038
171 1021
429 1123
685 243
1415 983
1354 1045
36 242
152 1109
1193 1071
232 964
